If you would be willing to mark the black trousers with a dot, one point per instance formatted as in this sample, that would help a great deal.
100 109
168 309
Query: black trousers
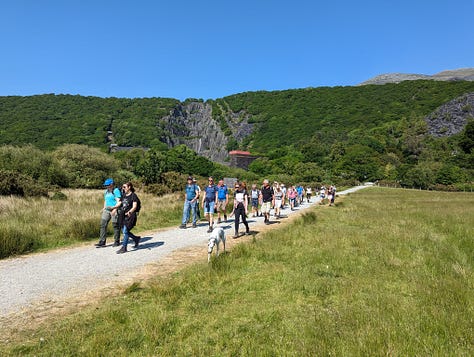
240 211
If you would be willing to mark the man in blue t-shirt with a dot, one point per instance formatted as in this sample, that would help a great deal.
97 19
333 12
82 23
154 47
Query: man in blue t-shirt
190 202
208 202
222 200
112 203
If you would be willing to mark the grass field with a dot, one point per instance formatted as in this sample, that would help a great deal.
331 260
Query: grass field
28 225
385 272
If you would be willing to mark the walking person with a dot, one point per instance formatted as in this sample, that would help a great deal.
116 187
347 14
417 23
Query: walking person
308 194
254 195
292 197
190 202
278 201
267 200
209 200
110 212
129 211
222 200
240 208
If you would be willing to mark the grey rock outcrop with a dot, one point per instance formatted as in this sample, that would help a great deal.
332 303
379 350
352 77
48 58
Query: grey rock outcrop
451 118
192 124
462 74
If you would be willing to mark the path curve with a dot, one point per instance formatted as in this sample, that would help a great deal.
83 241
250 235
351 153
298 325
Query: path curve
36 279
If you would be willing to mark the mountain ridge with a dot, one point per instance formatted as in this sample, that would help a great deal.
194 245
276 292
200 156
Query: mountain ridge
460 74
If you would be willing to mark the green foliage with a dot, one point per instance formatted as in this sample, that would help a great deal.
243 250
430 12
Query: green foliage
14 183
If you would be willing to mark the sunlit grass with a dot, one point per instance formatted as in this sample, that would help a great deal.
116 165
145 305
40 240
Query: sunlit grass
385 272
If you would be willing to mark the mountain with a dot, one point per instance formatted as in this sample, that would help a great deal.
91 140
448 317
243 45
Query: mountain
462 74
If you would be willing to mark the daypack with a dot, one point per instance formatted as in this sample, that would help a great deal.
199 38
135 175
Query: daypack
139 203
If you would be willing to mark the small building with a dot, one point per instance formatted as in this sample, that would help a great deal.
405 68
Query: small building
241 159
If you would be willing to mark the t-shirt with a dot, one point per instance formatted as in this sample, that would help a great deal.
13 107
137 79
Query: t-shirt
110 197
211 193
191 192
255 194
267 193
127 202
240 196
222 192
278 195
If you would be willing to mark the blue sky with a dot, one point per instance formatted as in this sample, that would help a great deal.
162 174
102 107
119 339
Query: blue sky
211 49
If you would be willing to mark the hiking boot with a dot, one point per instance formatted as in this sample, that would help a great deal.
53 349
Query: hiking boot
183 226
194 225
100 244
225 218
247 233
116 244
137 241
209 230
122 250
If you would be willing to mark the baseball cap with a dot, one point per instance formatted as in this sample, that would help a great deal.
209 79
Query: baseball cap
109 181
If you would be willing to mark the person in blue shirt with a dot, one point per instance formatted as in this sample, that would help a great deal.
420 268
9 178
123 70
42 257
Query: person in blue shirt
190 202
110 212
208 202
222 200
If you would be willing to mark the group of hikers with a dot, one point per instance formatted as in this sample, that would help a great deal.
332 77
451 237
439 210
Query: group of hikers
215 198
122 205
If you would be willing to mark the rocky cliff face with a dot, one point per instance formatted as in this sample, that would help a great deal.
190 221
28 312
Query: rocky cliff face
462 74
451 118
192 124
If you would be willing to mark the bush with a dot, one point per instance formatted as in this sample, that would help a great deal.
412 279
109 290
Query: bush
14 183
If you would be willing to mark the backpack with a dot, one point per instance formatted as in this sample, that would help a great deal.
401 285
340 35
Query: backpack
139 203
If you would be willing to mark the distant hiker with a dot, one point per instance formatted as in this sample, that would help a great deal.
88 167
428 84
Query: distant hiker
266 200
190 202
222 200
254 195
130 206
292 196
278 201
111 211
209 200
198 211
283 189
240 208
331 194
308 194
300 191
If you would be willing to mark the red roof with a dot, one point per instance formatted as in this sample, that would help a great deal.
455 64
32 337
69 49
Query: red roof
238 152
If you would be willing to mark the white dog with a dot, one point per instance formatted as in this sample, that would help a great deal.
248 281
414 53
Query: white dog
217 236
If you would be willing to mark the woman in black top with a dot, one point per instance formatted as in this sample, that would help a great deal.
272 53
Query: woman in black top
240 208
129 218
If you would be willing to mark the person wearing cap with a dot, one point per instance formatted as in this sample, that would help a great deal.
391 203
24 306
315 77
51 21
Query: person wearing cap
190 202
112 203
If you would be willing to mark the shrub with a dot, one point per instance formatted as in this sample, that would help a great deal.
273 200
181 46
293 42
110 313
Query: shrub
14 183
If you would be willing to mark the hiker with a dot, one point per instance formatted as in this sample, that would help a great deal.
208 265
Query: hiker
278 201
129 212
209 200
240 208
111 211
254 195
198 211
308 194
190 202
283 189
266 200
292 196
222 200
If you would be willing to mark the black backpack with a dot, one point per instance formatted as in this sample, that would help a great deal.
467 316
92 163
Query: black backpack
139 203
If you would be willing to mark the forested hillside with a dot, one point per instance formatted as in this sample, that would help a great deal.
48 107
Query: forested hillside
338 134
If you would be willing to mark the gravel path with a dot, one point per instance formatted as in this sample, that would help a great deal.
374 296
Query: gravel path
30 280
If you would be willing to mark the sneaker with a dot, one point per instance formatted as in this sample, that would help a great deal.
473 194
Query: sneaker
209 230
137 241
183 226
218 221
194 225
247 233
235 236
267 222
122 250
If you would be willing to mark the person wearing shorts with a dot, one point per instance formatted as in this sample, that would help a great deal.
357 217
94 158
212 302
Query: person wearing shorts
266 200
254 195
208 203
222 200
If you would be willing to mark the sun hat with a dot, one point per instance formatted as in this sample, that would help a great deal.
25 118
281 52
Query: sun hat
109 181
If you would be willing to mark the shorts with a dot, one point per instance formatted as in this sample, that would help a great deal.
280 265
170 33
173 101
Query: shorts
266 206
278 204
209 207
220 205
255 202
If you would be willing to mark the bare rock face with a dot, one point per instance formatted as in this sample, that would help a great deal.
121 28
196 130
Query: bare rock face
462 74
192 124
451 118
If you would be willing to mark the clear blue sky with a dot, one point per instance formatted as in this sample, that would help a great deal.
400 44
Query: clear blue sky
211 49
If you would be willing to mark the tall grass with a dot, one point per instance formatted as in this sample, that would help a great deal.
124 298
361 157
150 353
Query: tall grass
385 272
30 224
